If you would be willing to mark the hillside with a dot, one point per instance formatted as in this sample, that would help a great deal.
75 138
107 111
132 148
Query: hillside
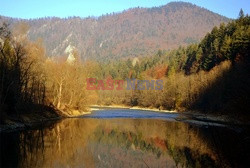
134 32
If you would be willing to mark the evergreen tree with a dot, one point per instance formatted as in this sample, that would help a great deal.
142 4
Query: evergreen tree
226 47
241 14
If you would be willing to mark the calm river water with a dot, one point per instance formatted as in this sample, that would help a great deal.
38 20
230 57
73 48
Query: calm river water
127 138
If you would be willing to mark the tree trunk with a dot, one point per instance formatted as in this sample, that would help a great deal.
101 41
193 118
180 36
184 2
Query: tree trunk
59 95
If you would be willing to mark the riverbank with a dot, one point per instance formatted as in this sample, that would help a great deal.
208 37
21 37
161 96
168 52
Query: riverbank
74 113
27 120
36 118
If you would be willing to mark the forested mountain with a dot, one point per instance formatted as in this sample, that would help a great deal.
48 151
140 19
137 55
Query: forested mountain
134 32
211 76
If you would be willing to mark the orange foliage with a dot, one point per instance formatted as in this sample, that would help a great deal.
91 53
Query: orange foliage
157 72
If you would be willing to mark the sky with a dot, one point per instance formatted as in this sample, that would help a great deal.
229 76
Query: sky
28 9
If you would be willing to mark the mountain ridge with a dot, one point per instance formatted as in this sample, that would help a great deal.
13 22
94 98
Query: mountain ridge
133 32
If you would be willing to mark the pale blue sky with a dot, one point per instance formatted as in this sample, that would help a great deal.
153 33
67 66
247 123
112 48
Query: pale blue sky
83 8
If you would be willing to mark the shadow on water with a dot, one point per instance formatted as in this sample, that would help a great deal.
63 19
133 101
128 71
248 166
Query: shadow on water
21 146
91 142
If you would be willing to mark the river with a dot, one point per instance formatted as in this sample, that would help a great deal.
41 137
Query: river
127 138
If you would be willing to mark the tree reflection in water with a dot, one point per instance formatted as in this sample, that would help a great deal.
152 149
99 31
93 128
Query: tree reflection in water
86 142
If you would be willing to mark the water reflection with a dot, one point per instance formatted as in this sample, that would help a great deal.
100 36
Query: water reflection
88 142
